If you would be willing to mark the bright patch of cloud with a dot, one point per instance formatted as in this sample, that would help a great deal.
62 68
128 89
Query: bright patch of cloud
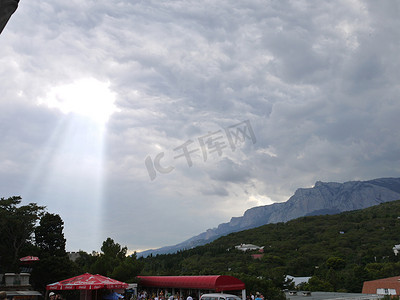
87 97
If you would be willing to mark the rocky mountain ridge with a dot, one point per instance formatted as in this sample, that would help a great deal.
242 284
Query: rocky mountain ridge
323 198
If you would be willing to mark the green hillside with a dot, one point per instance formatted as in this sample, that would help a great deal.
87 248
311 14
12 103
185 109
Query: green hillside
339 251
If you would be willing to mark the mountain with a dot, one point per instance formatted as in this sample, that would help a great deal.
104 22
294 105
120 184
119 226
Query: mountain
340 251
324 198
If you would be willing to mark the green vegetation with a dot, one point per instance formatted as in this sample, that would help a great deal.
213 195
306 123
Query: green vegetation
340 252
113 262
28 230
17 225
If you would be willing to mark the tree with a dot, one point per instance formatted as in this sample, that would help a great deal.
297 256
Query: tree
54 264
128 269
85 261
17 224
335 263
52 269
317 284
264 286
113 255
49 236
112 249
114 262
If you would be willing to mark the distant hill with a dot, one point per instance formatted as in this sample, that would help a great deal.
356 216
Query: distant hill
338 251
324 198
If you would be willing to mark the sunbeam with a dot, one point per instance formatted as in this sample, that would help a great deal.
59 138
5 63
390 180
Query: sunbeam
75 153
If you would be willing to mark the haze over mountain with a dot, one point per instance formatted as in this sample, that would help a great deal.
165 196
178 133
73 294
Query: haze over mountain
323 198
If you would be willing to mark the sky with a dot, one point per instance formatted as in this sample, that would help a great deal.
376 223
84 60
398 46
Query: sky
152 121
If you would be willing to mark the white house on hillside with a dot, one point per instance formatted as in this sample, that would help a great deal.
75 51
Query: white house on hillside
247 247
396 249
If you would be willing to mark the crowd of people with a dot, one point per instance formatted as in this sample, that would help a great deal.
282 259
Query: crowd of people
162 296
54 296
257 296
144 295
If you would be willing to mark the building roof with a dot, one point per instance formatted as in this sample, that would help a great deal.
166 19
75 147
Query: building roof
388 279
331 296
371 286
218 283
23 293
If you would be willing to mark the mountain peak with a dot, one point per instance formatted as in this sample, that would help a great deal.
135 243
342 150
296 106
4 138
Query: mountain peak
323 198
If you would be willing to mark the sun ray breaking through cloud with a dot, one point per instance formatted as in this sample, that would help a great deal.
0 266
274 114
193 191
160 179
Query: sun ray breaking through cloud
72 160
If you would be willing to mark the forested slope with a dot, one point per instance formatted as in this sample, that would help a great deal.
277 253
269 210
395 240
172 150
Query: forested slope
322 198
339 251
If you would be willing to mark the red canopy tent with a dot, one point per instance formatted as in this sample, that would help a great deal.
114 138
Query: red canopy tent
87 282
29 259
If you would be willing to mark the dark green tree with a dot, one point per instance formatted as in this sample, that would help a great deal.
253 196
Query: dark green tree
128 269
49 236
318 284
114 250
51 269
54 264
17 225
114 262
112 255
335 263
85 261
263 286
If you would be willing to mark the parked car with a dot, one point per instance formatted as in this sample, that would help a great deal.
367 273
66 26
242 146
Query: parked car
219 296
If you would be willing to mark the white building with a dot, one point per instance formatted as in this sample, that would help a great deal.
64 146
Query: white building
248 247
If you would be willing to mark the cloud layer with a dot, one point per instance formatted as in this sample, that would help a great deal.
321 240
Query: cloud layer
317 83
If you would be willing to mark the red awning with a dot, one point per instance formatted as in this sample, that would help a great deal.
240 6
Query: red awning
218 283
87 282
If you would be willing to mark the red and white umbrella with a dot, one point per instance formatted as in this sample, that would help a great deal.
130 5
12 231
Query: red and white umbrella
29 258
87 282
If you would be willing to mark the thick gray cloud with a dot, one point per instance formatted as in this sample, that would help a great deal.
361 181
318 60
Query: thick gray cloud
316 81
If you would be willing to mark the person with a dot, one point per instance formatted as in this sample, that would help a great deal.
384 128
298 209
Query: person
189 298
3 295
52 296
258 296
